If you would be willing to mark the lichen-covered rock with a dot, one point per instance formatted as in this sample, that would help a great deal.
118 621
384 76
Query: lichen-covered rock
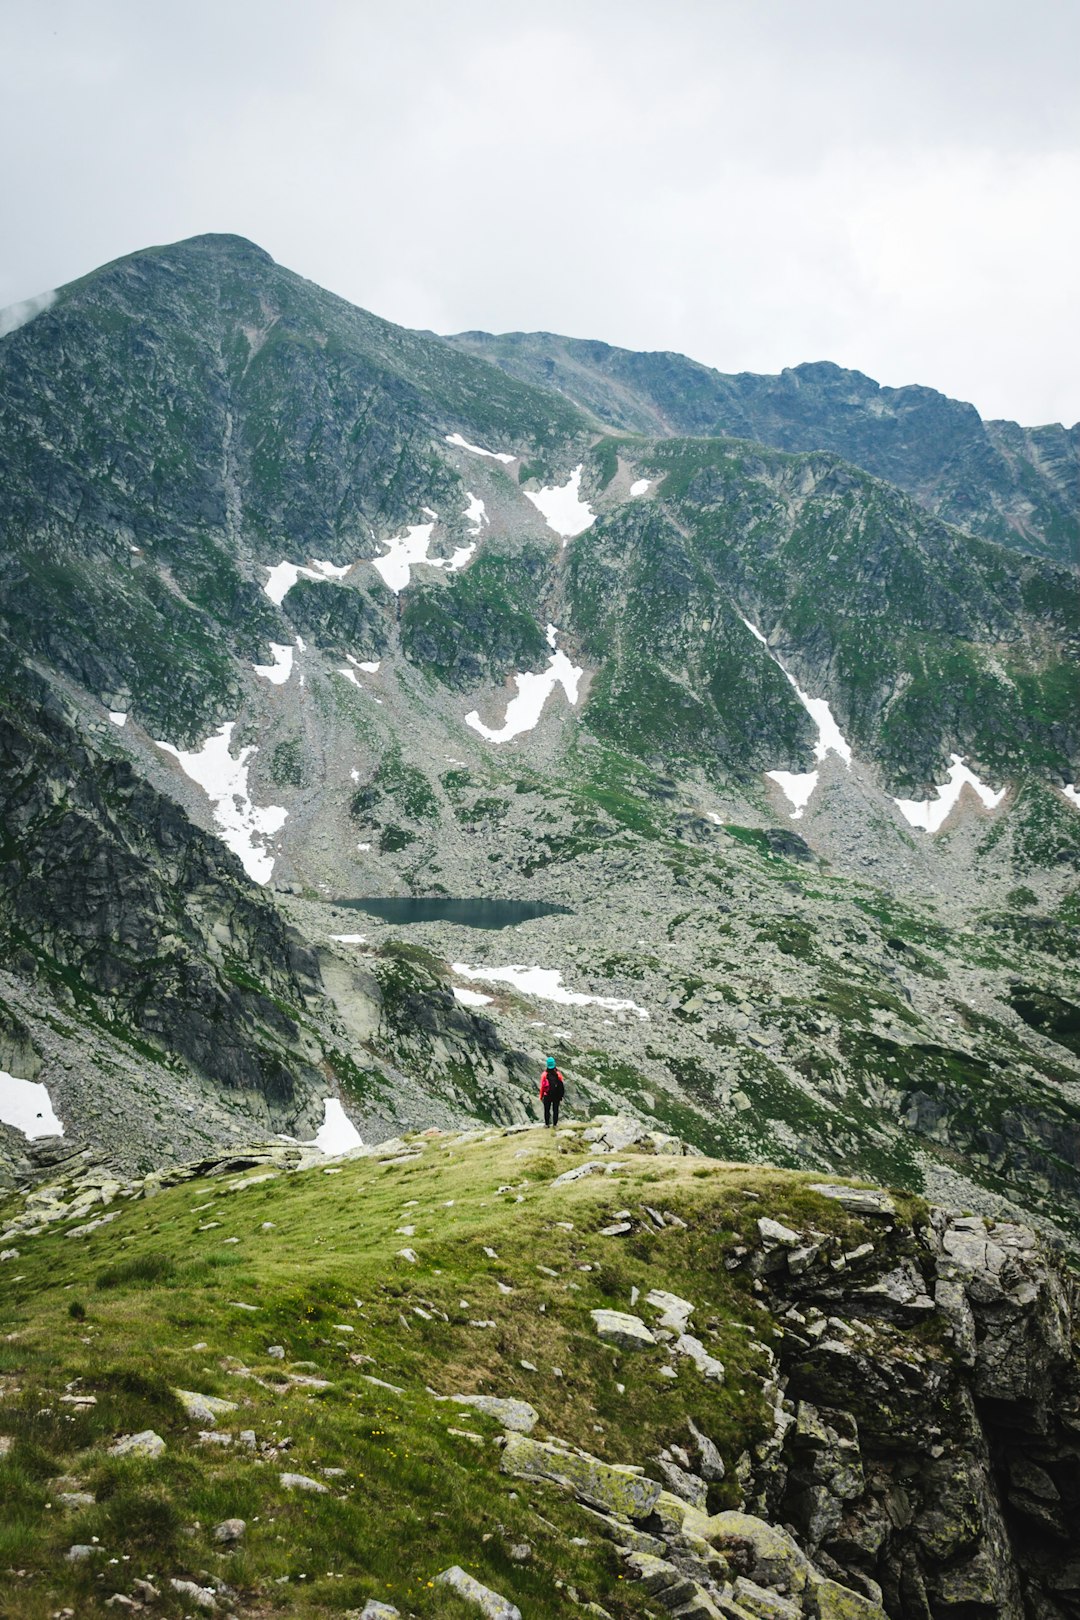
204 1409
608 1486
146 1443
767 1554
827 1600
674 1590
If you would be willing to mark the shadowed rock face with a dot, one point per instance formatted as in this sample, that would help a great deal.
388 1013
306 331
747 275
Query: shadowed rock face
942 1461
110 897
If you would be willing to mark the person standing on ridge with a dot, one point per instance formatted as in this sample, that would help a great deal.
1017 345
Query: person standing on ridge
552 1089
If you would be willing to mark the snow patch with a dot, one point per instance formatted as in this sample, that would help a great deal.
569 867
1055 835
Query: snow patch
403 554
279 671
349 939
283 576
460 557
118 717
640 486
544 983
471 998
533 691
1072 793
242 826
477 450
799 785
930 814
337 1133
475 513
563 509
26 1105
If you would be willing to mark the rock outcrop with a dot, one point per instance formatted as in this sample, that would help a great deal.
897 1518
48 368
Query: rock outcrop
927 1413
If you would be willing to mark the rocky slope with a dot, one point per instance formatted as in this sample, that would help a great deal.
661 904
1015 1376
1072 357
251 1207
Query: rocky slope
279 576
1020 486
585 1368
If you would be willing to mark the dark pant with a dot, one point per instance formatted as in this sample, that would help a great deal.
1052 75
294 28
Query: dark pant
551 1110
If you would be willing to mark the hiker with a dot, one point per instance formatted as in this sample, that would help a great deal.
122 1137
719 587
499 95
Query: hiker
552 1088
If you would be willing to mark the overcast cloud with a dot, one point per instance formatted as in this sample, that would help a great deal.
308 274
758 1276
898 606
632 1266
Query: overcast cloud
752 182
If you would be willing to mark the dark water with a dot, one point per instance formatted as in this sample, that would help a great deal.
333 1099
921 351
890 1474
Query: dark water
467 913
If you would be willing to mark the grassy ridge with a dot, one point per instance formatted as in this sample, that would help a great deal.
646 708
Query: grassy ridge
153 1302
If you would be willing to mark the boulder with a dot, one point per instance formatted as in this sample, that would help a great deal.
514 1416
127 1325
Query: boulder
204 1409
773 1235
675 1313
607 1486
302 1482
517 1416
856 1200
374 1610
756 1600
768 1555
144 1444
828 1600
230 1531
591 1167
488 1602
683 1483
202 1596
687 1345
618 1327
672 1589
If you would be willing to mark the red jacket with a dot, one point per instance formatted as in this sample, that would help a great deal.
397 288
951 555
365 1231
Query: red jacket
545 1082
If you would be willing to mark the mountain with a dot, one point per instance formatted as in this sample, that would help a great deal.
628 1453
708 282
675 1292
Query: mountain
301 609
580 1370
1019 486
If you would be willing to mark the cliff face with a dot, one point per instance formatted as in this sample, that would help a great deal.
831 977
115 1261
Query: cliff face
143 924
928 1423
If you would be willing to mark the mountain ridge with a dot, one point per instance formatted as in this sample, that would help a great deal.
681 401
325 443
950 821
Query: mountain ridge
935 447
390 622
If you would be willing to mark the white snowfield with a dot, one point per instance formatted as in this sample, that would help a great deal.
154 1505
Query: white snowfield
930 814
351 939
545 984
471 998
337 1133
562 508
118 717
641 486
1072 793
26 1105
478 450
797 786
475 512
533 691
279 671
243 826
407 550
281 578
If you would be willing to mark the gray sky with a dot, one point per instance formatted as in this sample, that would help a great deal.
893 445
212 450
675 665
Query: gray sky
893 186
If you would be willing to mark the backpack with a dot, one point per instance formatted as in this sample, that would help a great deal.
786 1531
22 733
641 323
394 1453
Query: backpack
556 1087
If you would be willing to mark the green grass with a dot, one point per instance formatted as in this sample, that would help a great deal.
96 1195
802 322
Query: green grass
155 1292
